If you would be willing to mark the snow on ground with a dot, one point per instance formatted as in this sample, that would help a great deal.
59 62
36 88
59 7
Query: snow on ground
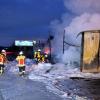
50 74
59 70
12 66
55 71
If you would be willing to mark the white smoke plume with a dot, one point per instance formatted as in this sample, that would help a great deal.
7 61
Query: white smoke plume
82 23
82 6
84 16
70 56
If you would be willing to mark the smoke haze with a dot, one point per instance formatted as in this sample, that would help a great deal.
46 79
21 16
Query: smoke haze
84 15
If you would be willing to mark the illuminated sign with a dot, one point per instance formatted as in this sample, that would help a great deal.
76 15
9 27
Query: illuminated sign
23 43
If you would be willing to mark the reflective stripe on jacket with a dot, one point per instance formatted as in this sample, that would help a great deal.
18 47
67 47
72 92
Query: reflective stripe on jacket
2 59
21 60
37 55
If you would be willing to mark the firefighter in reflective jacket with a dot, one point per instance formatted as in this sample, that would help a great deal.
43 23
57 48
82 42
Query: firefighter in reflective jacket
21 63
37 55
46 58
42 59
2 61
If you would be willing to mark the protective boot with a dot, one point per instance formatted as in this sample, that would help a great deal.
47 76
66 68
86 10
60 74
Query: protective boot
1 71
20 73
23 73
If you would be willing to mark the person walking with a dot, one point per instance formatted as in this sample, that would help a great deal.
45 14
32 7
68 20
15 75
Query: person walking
21 63
3 60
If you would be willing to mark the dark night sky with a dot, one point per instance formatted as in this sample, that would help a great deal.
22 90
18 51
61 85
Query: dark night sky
26 19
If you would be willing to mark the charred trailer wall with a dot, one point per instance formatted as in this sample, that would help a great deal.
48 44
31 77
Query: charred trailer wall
90 55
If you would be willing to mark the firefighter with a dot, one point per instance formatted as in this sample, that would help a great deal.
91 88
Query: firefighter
37 55
3 52
46 58
21 63
3 60
42 59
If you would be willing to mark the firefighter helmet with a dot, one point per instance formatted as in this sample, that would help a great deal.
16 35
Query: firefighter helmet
21 53
39 49
3 51
46 55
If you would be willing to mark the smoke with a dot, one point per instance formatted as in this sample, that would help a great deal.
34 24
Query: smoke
82 15
81 23
71 55
82 6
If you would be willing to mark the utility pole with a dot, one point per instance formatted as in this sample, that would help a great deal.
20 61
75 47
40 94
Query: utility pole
50 46
99 52
49 40
63 41
34 44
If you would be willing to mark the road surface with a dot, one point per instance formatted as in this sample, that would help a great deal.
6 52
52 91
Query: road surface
13 87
